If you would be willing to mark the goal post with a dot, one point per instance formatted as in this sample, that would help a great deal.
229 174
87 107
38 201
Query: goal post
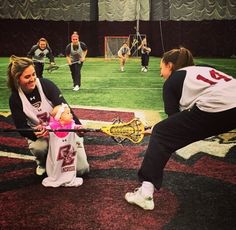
112 45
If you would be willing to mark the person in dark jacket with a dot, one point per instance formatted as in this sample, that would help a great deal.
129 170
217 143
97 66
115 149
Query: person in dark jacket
145 52
38 53
76 53
31 101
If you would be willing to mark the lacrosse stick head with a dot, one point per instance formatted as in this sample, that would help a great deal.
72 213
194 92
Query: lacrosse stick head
118 139
133 130
51 68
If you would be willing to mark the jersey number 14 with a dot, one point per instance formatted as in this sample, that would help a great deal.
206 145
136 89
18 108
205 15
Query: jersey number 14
215 77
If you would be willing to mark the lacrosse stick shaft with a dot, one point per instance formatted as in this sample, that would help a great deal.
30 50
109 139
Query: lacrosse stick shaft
56 67
68 64
49 130
42 62
58 130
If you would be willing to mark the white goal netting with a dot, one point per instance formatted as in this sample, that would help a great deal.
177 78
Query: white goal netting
112 44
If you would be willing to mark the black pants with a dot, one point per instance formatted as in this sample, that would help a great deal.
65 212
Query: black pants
178 131
75 70
39 69
144 60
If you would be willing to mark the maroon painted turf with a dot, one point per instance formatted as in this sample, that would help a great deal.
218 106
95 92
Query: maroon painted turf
199 193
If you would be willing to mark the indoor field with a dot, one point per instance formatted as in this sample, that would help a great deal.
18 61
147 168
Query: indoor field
118 115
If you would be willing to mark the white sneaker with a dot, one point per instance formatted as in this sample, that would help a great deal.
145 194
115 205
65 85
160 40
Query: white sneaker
40 170
76 88
137 198
145 70
122 69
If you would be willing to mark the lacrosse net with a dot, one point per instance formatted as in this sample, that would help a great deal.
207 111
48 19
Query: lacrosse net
120 131
112 45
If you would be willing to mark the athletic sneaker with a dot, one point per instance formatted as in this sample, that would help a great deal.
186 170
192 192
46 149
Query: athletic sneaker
137 198
145 70
76 88
40 170
122 69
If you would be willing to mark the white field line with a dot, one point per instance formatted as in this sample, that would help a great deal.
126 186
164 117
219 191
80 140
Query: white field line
16 155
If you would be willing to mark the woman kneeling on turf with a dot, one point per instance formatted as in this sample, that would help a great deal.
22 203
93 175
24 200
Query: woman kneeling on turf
31 101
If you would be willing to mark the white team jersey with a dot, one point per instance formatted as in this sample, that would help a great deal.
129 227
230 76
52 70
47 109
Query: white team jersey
39 55
38 112
124 51
75 55
210 89
61 161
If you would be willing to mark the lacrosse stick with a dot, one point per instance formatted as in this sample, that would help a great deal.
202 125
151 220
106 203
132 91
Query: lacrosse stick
132 130
136 41
51 68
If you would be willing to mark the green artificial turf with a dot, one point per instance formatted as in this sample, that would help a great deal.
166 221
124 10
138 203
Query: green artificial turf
104 85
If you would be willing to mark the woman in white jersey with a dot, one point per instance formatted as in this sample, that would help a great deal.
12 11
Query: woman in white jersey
123 54
31 101
200 102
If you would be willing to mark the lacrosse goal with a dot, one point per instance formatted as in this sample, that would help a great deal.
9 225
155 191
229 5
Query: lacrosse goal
112 45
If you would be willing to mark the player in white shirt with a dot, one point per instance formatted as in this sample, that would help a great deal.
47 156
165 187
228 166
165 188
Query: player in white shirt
200 102
123 54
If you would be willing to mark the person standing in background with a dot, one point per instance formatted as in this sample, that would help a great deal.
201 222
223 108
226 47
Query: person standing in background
76 52
145 51
123 54
38 53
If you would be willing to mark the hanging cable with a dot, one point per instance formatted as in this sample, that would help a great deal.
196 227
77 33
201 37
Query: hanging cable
162 42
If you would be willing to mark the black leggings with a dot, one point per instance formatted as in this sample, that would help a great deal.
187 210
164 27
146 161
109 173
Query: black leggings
178 131
75 70
144 60
38 66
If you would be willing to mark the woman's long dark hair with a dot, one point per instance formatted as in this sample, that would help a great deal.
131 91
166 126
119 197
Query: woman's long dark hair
180 58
